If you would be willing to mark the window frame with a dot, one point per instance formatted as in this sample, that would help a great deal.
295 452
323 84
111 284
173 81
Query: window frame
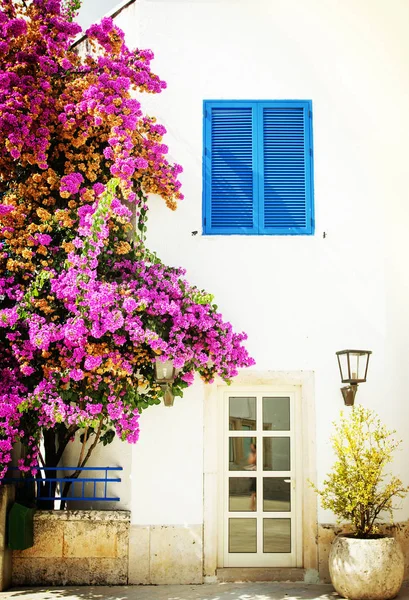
257 107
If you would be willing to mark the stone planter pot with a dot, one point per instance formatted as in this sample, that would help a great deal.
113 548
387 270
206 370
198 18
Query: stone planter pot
366 569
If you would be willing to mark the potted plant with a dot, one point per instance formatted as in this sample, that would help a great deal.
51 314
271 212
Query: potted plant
363 563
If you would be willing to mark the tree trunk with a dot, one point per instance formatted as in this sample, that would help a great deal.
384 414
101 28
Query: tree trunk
55 442
47 489
82 461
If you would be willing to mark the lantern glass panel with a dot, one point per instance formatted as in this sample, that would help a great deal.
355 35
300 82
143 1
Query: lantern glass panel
164 370
363 366
358 362
343 362
354 366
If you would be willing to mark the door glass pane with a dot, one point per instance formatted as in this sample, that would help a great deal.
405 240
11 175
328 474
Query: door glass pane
276 414
242 414
276 494
276 535
276 454
242 535
242 493
242 454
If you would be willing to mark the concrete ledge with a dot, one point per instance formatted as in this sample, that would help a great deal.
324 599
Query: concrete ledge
83 515
75 547
256 574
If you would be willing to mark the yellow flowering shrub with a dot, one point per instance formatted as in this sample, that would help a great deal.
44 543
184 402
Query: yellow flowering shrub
358 490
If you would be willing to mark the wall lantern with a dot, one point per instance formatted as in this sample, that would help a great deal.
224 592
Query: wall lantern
353 366
164 371
165 374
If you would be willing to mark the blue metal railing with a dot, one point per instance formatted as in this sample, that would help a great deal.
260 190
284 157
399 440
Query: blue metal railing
59 482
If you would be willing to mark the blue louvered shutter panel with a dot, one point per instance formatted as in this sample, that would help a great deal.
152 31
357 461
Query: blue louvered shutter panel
286 170
230 191
258 176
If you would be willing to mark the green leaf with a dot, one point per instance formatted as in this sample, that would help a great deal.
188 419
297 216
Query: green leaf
107 437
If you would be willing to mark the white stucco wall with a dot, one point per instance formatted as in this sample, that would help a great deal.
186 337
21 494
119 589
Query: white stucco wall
167 463
300 299
92 10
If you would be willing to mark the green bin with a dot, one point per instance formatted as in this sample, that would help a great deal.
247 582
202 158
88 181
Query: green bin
20 527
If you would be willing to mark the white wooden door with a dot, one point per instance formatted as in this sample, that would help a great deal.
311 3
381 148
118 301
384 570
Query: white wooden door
260 464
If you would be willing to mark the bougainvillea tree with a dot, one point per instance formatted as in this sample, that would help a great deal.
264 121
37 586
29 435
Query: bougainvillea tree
85 308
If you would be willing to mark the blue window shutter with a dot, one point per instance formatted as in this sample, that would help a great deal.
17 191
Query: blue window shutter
230 190
258 169
285 154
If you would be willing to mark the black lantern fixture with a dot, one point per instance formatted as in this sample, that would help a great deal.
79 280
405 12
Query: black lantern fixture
165 374
353 366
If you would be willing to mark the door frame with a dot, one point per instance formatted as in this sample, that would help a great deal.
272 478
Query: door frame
307 554
295 433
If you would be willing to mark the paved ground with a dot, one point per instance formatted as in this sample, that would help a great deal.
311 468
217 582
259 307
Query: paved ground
216 591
